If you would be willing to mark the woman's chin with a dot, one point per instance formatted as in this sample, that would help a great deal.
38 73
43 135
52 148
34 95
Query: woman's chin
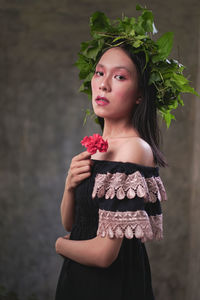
99 113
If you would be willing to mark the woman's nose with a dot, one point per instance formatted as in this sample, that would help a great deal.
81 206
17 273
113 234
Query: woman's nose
105 85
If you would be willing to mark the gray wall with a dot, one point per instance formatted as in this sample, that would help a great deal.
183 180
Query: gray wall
41 128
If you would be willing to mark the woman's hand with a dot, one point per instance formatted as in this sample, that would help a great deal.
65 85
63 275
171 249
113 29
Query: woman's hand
67 236
79 170
59 242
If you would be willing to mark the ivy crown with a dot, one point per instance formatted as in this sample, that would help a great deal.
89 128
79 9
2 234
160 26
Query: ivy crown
165 74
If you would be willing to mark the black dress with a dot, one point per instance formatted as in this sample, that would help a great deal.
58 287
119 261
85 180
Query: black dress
118 200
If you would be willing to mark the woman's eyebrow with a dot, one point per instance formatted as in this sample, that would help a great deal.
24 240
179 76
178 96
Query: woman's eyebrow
123 67
117 67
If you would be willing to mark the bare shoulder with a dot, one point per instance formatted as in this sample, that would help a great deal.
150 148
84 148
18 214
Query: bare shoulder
135 150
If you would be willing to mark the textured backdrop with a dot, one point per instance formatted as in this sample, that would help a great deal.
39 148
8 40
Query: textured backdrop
41 116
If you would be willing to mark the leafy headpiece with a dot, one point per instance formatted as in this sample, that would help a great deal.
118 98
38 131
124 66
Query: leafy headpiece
165 74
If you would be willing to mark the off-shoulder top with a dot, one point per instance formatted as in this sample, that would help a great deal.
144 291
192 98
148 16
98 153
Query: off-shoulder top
128 199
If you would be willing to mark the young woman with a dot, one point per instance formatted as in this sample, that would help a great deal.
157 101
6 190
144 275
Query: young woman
111 202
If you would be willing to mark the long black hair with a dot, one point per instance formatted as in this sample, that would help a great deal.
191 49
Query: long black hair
144 117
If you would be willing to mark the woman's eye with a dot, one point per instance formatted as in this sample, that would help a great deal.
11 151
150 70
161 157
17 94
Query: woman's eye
120 77
98 73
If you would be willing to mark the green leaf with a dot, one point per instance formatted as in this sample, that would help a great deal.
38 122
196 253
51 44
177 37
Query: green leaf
117 39
99 23
164 44
139 7
85 66
93 51
167 116
86 88
84 46
183 84
180 101
155 76
87 114
132 32
148 21
139 28
125 27
132 21
189 89
82 88
137 43
180 79
97 121
86 85
140 37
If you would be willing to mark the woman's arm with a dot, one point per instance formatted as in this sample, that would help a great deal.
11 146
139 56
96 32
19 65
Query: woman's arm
99 252
78 171
67 209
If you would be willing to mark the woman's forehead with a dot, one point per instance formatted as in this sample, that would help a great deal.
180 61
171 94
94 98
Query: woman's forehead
116 58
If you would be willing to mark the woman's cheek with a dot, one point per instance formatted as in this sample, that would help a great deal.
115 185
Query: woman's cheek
124 95
94 87
92 83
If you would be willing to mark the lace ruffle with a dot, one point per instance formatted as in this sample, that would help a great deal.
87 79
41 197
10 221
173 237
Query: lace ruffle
130 186
129 224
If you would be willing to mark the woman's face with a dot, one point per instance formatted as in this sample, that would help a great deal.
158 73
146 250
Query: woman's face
115 85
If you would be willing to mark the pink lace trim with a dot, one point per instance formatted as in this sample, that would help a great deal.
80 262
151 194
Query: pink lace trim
130 186
157 226
129 224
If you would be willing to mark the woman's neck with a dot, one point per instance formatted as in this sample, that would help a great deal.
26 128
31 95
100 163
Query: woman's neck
118 129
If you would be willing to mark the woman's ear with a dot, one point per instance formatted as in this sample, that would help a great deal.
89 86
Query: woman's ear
138 100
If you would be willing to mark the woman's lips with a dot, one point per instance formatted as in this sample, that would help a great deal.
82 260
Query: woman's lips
102 101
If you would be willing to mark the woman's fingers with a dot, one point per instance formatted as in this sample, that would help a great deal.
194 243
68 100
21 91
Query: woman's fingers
73 171
83 176
76 170
79 170
83 169
73 181
82 156
81 163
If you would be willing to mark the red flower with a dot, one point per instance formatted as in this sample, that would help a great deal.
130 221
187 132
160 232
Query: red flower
94 143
